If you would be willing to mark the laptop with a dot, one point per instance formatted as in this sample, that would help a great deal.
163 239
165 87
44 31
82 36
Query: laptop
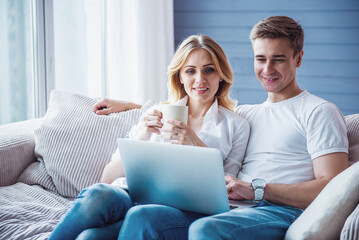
185 177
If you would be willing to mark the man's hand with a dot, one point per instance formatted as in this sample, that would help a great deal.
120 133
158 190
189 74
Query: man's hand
106 106
238 190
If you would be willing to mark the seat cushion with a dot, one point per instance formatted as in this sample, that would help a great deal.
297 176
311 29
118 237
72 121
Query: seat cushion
29 212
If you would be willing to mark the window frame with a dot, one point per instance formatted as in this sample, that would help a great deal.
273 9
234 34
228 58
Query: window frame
43 55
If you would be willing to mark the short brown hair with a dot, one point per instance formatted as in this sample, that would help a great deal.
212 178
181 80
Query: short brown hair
175 88
280 27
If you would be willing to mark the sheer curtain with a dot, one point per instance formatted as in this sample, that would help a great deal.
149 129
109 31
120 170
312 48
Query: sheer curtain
139 47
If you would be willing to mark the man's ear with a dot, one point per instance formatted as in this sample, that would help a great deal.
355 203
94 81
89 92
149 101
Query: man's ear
299 58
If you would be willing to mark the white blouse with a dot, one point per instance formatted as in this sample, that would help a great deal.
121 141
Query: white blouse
221 129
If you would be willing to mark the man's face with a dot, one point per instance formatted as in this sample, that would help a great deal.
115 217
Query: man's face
275 67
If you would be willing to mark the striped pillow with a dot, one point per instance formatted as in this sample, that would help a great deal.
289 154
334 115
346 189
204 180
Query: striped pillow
73 144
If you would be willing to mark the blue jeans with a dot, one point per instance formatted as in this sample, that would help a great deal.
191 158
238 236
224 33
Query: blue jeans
97 213
264 221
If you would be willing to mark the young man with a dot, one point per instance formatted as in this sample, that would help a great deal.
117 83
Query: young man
298 143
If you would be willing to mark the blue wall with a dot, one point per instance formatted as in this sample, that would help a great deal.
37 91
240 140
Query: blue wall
330 66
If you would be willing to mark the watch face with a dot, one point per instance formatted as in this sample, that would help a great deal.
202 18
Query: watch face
260 183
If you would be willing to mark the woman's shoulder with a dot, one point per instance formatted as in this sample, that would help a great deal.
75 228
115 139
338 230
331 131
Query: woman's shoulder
232 116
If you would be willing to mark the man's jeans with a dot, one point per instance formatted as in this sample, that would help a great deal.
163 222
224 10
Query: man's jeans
264 221
97 213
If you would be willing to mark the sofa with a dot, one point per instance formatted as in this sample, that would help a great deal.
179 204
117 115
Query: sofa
46 162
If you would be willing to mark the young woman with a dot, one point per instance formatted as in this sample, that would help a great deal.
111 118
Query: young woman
200 77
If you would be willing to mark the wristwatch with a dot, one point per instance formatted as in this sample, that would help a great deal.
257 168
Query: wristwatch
258 186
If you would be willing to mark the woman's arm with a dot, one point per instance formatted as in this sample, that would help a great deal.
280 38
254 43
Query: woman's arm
240 135
113 169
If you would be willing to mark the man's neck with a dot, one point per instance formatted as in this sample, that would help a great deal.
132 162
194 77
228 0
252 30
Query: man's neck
279 97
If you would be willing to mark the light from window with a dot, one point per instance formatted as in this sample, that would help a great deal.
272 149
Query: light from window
78 46
16 71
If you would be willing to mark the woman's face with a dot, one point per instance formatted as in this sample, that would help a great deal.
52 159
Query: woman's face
199 77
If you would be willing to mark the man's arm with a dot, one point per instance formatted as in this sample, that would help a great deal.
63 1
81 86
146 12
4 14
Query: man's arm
106 106
298 195
302 194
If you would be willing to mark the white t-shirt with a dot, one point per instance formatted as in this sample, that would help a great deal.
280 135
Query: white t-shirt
286 137
223 130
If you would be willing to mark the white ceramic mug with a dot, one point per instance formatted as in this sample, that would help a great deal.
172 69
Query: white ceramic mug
174 112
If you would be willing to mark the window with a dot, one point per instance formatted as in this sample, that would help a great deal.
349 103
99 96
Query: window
16 61
72 60
91 47
78 46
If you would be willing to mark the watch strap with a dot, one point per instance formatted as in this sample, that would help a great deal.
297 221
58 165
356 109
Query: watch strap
258 194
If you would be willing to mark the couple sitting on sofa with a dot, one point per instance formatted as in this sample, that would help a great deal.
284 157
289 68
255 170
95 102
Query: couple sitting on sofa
298 143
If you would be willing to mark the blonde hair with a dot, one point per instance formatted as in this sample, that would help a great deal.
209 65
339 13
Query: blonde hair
176 90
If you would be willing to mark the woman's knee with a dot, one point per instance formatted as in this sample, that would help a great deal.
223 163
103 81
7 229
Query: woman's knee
97 195
99 191
204 228
144 222
88 234
141 214
107 232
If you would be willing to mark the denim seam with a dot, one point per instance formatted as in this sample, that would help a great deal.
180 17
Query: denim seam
115 212
168 226
229 235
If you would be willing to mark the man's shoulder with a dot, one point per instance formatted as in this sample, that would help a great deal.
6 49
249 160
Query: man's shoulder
312 103
312 100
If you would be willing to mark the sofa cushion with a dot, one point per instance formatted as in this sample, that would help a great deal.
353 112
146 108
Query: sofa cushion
337 200
350 230
352 122
29 212
73 144
325 216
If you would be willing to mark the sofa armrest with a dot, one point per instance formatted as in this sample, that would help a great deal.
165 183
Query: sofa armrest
17 145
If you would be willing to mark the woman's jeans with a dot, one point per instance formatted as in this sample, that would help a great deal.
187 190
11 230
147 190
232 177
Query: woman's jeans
97 213
264 221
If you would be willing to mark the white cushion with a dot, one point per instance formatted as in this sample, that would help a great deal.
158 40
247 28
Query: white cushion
73 144
325 216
